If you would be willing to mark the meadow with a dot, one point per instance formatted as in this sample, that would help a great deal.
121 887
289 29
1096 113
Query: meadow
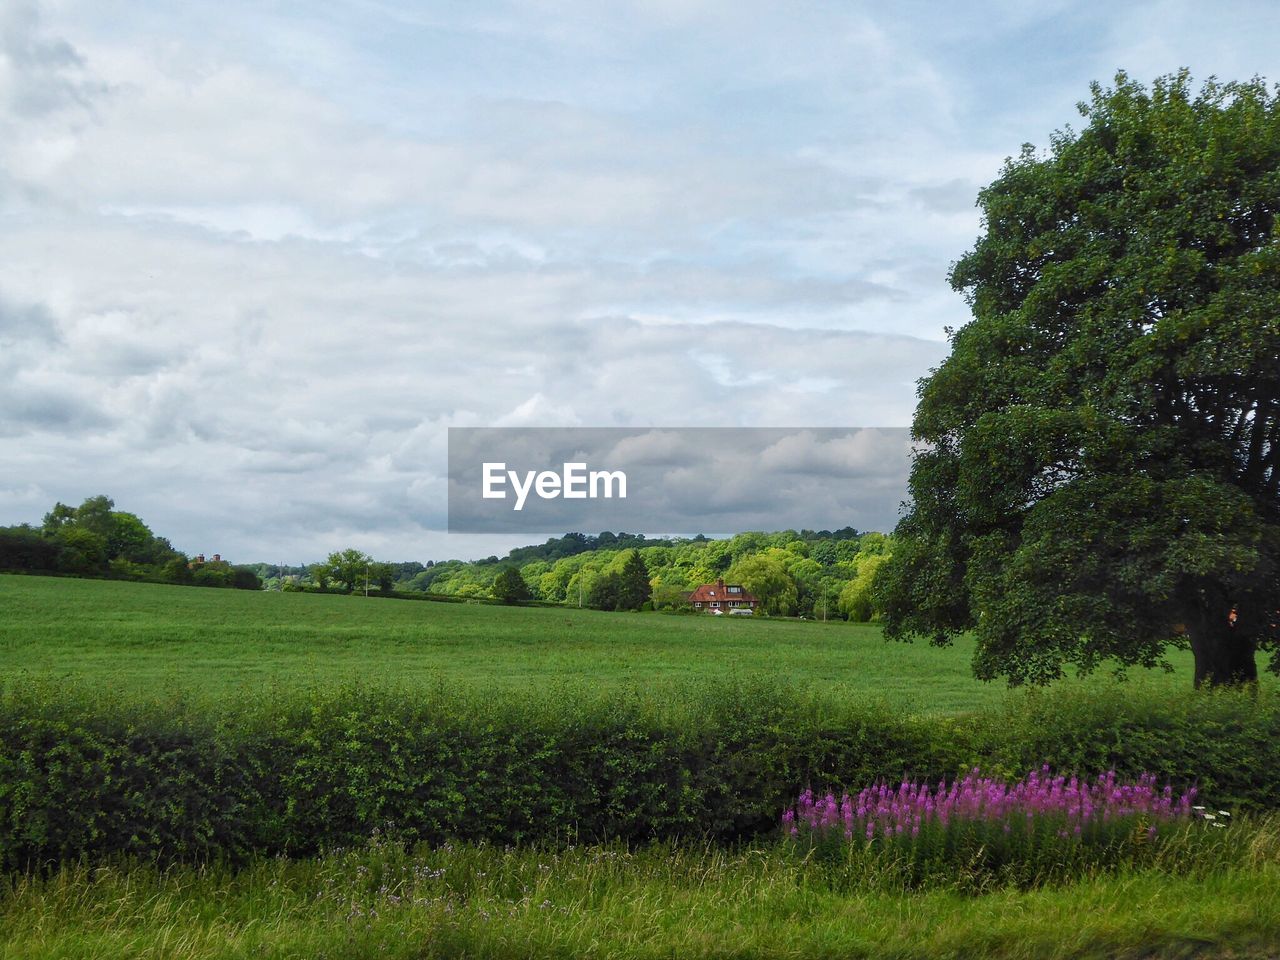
140 637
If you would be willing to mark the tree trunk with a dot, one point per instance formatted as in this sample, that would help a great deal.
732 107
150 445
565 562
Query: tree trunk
1224 654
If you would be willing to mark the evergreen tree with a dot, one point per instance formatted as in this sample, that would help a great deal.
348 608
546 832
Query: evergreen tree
634 589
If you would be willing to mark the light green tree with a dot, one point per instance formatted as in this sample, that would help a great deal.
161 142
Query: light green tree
765 575
857 599
347 567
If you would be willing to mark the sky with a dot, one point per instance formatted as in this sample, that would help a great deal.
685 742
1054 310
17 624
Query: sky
257 257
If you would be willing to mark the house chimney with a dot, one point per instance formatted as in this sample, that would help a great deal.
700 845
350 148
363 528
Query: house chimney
720 584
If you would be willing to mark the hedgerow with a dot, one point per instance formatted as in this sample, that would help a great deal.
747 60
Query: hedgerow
88 774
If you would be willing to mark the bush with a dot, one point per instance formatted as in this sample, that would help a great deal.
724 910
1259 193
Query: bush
88 774
244 578
22 548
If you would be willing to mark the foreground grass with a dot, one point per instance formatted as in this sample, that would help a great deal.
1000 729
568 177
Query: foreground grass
155 637
609 902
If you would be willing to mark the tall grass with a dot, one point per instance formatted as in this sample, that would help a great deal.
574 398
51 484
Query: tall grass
385 900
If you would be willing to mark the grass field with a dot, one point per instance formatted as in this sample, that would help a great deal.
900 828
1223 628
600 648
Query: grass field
150 636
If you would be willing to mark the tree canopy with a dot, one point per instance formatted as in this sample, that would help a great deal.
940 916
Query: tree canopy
1097 477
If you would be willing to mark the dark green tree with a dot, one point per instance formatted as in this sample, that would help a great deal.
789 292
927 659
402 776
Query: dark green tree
509 586
1099 476
382 577
23 548
245 578
606 592
634 589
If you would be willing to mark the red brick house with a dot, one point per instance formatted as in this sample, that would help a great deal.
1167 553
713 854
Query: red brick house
719 597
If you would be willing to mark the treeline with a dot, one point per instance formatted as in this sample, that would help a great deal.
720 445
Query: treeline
96 540
818 574
821 574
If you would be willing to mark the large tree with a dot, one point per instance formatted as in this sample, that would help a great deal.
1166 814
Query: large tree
1098 476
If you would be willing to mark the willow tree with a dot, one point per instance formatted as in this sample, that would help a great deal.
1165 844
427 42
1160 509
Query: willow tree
1097 478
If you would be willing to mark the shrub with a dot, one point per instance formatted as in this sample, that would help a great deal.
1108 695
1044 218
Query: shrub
22 548
245 578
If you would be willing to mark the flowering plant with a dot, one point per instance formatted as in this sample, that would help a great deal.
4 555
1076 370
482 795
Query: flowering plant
1032 829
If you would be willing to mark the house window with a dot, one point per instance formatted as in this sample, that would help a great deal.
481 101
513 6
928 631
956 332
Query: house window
697 606
735 589
715 605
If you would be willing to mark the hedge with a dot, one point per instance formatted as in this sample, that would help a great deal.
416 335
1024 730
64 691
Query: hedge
87 775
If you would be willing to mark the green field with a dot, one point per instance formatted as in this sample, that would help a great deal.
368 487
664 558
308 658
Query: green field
757 899
139 636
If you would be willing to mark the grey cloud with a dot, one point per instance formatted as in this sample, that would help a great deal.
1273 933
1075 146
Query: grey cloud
27 324
26 406
45 74
686 481
953 196
867 454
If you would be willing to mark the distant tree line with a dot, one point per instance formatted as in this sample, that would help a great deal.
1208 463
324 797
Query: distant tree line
820 574
96 540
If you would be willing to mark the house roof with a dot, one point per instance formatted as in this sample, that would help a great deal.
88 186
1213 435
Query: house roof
712 592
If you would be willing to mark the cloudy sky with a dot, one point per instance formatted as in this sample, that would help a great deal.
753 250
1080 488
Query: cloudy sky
257 257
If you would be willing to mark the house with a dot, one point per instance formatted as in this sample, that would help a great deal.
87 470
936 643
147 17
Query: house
719 598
